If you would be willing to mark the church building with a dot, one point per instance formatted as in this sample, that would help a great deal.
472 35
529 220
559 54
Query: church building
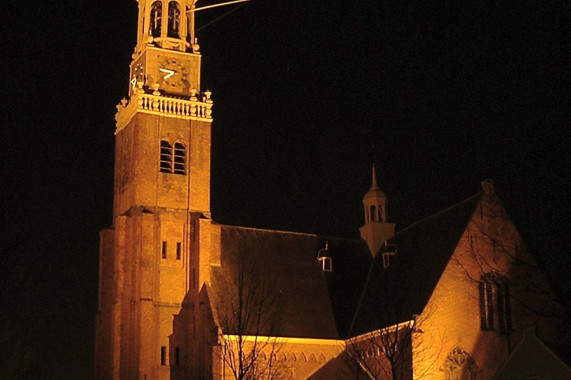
184 297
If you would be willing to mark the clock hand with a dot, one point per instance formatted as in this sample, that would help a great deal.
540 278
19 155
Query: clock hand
169 72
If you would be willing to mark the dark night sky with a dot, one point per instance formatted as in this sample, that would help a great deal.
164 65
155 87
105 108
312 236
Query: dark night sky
447 94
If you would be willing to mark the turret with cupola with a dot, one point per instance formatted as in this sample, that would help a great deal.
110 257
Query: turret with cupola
376 230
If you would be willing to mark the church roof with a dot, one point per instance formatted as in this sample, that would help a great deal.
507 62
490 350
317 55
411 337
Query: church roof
395 294
279 273
285 283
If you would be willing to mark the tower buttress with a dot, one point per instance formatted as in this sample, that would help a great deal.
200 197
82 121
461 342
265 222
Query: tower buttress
376 230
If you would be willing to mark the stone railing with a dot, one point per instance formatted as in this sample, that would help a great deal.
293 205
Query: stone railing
197 107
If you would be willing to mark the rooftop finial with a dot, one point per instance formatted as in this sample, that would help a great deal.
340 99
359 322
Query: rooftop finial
374 184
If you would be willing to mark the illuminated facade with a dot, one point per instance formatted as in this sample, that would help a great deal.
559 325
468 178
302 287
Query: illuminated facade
183 297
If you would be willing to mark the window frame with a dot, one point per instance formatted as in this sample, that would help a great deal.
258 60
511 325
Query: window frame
164 250
172 157
494 299
156 19
163 355
174 19
178 250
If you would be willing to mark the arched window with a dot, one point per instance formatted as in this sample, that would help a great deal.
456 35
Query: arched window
373 213
174 20
172 160
380 213
165 160
188 37
495 309
460 365
156 19
179 158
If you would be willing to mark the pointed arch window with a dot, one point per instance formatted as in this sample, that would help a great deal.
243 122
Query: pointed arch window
460 365
174 20
172 158
495 309
156 19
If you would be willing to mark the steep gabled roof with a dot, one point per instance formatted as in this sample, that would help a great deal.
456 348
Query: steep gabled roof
395 294
296 298
284 284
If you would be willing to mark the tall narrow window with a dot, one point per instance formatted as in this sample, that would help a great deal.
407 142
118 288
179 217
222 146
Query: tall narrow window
166 160
188 34
495 310
156 19
324 258
163 355
486 305
179 158
373 213
177 356
178 250
386 260
174 20
164 250
504 308
172 160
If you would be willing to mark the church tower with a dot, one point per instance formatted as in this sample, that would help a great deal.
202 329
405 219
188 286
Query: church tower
376 230
149 257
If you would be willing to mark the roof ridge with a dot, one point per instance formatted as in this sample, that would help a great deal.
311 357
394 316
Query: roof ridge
479 194
291 232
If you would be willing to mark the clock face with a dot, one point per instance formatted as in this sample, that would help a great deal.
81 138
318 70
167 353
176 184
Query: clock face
138 75
173 73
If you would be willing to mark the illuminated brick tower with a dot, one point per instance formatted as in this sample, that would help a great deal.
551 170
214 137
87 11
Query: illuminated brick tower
161 197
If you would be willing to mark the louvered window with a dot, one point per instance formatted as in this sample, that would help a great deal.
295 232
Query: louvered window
179 158
166 154
172 160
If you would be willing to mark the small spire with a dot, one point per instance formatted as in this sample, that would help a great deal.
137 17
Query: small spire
376 229
374 184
